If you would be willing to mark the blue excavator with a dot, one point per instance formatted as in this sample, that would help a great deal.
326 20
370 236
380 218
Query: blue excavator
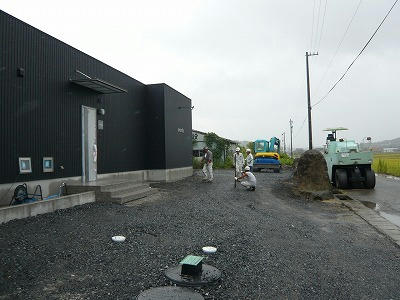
267 155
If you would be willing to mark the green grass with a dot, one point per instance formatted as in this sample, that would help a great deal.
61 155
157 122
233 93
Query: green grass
387 163
217 164
286 160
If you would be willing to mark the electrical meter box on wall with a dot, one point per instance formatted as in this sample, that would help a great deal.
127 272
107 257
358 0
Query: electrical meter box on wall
48 164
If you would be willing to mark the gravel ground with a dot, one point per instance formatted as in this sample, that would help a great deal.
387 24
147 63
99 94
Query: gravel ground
270 245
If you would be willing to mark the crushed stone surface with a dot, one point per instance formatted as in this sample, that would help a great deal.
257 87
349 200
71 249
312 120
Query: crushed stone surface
270 243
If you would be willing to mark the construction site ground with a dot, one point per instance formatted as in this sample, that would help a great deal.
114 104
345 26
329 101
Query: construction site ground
271 244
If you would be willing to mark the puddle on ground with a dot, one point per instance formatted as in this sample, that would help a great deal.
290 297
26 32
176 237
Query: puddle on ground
394 219
391 218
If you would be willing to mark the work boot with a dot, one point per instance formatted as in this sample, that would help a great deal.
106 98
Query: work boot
253 188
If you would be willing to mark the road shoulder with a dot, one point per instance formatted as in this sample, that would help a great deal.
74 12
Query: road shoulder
375 220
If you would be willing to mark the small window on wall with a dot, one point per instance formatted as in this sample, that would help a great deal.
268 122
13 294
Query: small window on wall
197 153
48 165
25 165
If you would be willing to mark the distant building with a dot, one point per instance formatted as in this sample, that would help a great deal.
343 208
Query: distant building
391 150
198 140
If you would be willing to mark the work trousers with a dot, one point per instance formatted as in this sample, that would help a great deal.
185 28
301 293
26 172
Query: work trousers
247 184
238 171
207 168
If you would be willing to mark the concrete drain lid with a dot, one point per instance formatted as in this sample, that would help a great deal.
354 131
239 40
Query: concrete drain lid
170 293
343 197
118 238
209 249
208 275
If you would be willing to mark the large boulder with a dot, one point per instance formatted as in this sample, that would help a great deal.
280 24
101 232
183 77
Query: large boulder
311 176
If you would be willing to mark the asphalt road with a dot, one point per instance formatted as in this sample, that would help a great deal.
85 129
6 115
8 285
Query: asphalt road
386 195
271 245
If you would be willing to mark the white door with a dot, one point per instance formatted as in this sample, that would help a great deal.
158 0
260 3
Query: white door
89 144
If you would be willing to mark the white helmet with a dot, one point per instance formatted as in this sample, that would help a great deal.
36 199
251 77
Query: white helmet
237 149
247 168
248 150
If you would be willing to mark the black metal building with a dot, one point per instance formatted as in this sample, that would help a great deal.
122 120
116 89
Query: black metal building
45 84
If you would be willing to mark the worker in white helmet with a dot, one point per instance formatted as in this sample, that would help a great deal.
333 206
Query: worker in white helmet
249 159
208 164
248 180
238 162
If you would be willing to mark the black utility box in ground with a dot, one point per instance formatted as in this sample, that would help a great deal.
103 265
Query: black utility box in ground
191 265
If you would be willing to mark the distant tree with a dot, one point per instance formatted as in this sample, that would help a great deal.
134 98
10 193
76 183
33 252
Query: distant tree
218 146
250 145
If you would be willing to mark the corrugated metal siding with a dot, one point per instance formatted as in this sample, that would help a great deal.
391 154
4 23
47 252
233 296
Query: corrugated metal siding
155 127
40 113
175 118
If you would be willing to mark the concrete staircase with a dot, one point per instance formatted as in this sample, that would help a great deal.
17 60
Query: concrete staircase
121 192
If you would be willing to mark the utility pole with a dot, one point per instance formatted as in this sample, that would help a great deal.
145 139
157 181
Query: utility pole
284 142
309 101
291 139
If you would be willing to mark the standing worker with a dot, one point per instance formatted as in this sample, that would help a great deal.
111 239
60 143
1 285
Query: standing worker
238 162
249 159
250 182
208 164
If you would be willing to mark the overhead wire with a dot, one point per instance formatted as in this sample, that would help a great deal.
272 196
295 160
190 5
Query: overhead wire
358 55
317 29
337 48
322 26
301 127
316 39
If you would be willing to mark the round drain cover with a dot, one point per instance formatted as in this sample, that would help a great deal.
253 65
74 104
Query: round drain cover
169 293
209 275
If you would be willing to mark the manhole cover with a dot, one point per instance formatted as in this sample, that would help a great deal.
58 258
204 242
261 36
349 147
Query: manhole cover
169 293
209 275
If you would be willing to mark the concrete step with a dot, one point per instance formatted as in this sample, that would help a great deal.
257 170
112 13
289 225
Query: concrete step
126 189
131 196
119 185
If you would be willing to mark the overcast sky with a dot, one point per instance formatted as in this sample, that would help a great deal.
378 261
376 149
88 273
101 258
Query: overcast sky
243 62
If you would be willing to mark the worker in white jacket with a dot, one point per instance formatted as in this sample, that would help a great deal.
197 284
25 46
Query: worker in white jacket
248 180
249 160
238 162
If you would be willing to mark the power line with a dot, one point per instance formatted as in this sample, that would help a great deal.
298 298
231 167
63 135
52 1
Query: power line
322 26
338 47
362 50
316 36
301 127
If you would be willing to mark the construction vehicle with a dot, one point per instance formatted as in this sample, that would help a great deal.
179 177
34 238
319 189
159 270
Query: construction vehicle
267 155
348 166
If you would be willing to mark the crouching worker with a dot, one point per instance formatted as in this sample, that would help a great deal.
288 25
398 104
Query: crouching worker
249 181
